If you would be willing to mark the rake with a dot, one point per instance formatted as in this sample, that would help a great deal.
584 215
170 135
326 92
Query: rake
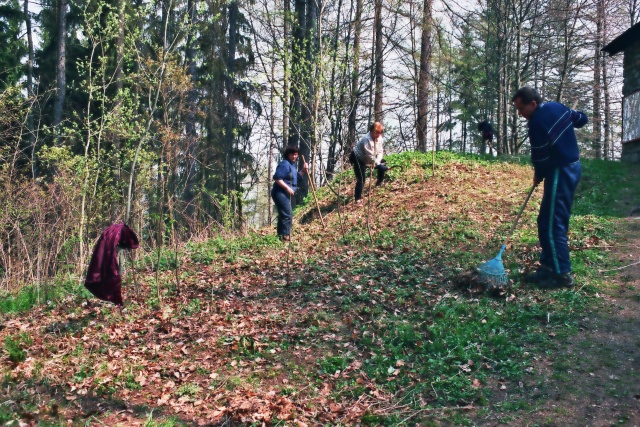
492 272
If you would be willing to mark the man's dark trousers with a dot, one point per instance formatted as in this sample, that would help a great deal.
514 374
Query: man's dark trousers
360 171
553 220
285 211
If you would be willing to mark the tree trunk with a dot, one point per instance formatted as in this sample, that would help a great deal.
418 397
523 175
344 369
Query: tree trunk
60 68
355 78
30 129
298 70
438 104
597 88
286 76
450 102
166 4
336 101
502 125
230 93
154 96
423 80
464 136
632 7
119 51
501 52
190 119
569 27
377 104
608 144
513 146
117 166
308 104
272 142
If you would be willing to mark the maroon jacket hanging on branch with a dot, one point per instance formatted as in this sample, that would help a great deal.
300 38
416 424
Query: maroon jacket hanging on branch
103 277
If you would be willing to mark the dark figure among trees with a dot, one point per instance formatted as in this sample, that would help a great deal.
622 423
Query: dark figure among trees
487 131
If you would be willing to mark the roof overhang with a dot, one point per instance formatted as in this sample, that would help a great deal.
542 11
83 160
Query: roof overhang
620 43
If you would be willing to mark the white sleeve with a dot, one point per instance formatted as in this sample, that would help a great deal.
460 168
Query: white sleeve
379 150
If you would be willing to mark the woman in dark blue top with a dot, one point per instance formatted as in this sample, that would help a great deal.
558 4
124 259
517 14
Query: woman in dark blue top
284 189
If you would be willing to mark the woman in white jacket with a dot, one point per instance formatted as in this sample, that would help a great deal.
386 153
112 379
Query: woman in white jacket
368 152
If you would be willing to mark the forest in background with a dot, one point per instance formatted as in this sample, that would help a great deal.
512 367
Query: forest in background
170 115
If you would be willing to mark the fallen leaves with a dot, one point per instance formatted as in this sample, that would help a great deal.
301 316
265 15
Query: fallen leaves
254 327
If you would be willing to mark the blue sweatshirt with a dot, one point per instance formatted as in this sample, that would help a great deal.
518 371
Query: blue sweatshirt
288 172
552 137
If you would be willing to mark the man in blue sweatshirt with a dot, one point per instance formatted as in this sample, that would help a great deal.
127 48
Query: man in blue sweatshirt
556 161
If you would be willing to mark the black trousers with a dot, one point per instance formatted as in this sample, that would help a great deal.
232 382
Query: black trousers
360 171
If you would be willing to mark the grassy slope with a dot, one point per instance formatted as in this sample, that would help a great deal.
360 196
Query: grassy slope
334 329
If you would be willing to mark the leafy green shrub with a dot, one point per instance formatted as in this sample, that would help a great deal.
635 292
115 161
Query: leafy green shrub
16 347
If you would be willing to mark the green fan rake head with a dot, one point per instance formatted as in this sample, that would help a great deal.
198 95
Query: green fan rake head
492 272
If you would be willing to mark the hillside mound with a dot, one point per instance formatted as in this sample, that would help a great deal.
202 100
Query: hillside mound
357 322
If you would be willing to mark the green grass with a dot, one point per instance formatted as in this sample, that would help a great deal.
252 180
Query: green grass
444 347
16 346
229 248
459 340
167 422
333 364
607 189
21 301
414 346
30 296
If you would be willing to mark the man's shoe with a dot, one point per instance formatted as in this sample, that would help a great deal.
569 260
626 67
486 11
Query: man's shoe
557 281
542 274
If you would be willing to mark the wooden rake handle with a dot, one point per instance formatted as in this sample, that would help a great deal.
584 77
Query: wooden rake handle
515 223
313 191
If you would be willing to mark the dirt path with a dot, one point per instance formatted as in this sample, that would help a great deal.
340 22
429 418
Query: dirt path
596 379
